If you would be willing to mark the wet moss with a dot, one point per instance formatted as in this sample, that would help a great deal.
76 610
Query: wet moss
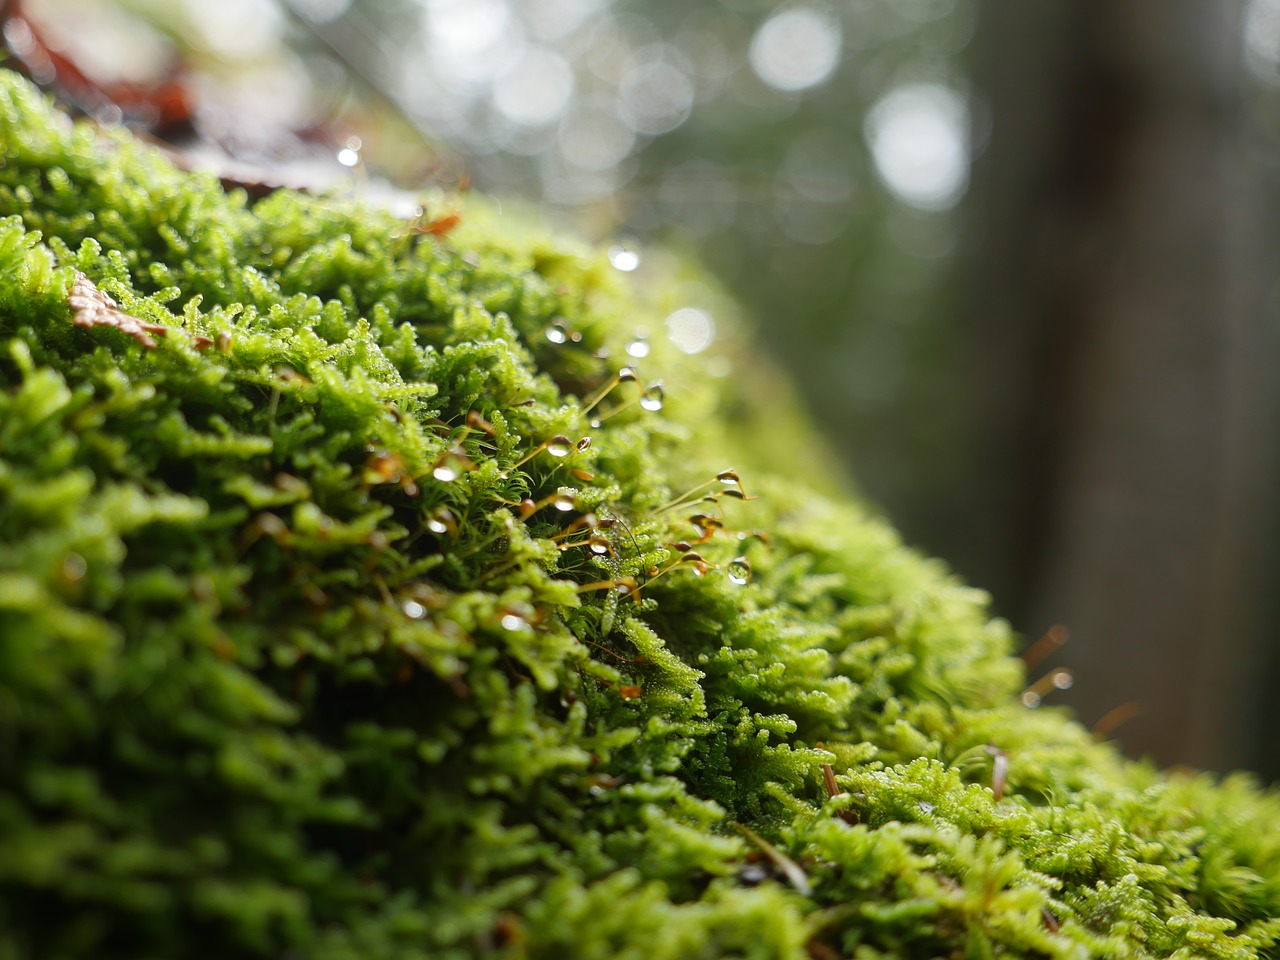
325 632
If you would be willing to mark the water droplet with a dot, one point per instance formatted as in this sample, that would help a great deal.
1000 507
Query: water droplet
559 446
652 399
596 424
563 502
705 523
1063 680
513 621
623 258
595 791
728 476
1030 699
447 470
583 444
349 155
413 609
627 375
556 332
639 347
739 570
442 521
598 545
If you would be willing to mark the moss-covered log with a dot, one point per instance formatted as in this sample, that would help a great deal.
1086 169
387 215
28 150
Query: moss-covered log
352 605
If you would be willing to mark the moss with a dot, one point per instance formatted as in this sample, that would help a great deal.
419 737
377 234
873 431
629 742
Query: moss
325 633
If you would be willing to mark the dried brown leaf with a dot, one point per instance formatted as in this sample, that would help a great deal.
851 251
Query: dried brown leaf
90 308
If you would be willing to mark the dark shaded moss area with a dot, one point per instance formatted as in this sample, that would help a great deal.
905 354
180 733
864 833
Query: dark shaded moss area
357 618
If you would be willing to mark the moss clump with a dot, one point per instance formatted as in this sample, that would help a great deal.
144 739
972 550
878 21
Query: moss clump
325 633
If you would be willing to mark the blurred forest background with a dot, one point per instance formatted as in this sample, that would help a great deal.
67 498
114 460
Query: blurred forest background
1021 259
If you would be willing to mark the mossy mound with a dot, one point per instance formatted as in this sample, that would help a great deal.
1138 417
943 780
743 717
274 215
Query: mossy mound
326 633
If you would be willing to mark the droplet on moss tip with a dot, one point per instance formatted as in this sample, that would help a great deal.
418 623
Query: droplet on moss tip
638 348
446 471
564 502
653 397
413 609
556 332
623 258
513 621
559 446
442 521
739 571
451 466
349 155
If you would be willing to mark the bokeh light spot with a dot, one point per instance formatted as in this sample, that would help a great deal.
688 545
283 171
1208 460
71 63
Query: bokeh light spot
655 97
594 139
691 329
919 140
796 48
537 90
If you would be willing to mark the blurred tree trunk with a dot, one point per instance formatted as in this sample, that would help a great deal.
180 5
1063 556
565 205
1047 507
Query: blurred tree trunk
1122 445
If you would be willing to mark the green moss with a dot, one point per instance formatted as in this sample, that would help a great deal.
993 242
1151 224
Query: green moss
301 657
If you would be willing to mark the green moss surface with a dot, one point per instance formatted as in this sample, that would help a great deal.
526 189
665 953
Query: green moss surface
325 633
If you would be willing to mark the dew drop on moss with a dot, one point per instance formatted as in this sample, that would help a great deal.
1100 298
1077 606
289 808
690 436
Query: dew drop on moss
653 397
563 502
598 545
513 621
452 465
349 155
413 609
623 258
556 332
442 521
559 446
739 571
639 347
447 471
